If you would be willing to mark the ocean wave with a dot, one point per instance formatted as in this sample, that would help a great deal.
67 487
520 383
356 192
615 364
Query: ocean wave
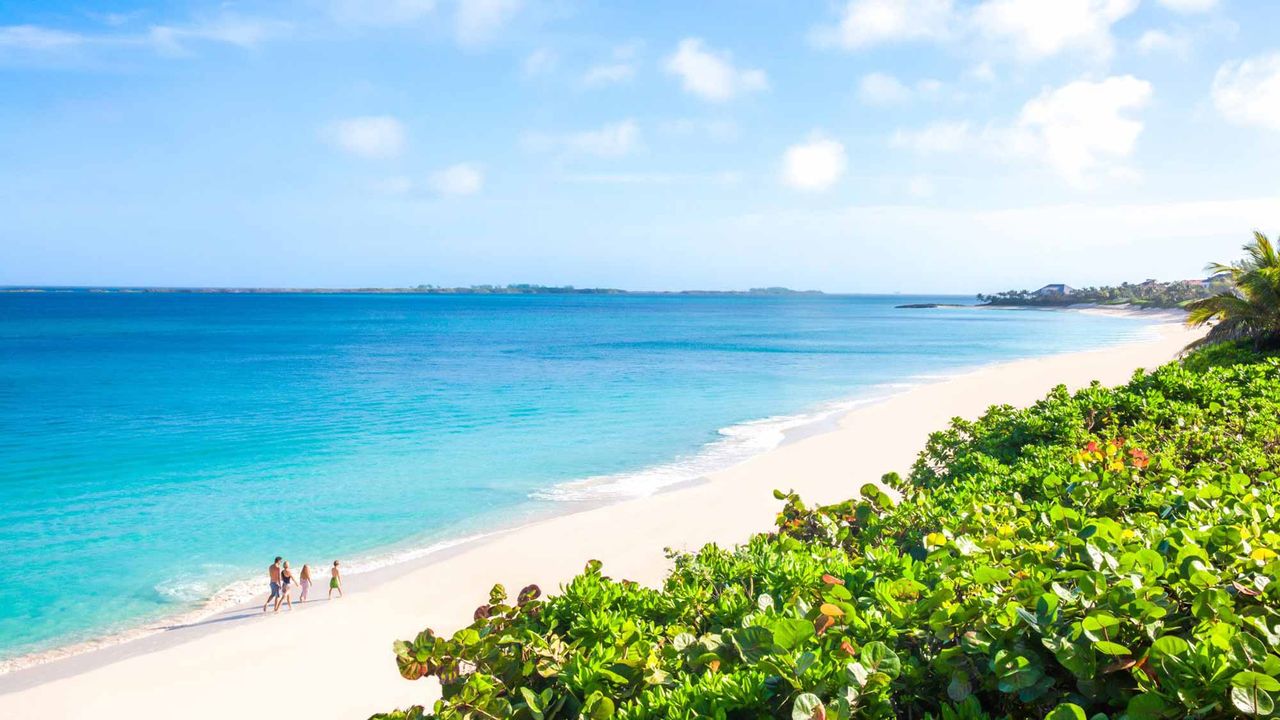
735 444
213 598
194 586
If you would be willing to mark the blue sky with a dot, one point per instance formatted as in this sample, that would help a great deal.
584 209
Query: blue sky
865 146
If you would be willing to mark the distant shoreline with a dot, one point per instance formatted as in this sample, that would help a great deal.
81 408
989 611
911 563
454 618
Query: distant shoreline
1116 308
420 290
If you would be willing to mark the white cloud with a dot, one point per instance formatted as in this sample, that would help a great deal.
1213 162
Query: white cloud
34 37
716 130
711 75
871 22
460 179
370 137
230 29
1027 29
168 39
620 68
882 89
983 72
814 165
1081 130
1247 92
1036 29
1190 6
1084 128
920 187
381 12
1159 41
478 21
614 140
727 177
609 74
939 137
539 62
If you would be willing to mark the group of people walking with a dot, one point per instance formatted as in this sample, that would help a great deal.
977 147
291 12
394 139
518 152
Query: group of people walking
282 581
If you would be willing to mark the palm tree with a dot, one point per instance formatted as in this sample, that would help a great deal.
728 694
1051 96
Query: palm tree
1250 309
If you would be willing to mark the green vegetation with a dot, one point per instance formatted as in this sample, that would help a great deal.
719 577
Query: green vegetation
1149 294
1249 309
1111 553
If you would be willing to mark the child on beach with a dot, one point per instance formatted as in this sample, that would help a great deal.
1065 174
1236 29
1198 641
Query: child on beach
304 582
335 580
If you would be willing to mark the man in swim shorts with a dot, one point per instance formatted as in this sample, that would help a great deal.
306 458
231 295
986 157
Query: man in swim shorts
274 573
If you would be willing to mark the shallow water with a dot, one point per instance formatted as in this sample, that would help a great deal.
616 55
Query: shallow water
157 449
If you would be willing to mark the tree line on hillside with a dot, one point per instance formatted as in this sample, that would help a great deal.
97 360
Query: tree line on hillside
1149 294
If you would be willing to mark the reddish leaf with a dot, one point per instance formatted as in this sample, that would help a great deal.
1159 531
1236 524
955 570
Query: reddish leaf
822 623
1243 590
1119 665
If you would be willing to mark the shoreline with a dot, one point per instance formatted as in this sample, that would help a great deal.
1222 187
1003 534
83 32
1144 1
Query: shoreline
477 560
566 498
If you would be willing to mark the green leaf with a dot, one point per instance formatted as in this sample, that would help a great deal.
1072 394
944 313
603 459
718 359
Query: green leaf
532 701
1146 706
987 575
808 707
1111 648
753 643
878 657
1066 711
959 688
1252 701
789 633
1170 645
1250 692
1257 680
1097 622
598 707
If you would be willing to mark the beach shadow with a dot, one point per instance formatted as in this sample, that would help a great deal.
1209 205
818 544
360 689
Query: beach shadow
215 620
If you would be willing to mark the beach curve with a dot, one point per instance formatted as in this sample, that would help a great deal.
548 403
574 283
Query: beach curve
333 659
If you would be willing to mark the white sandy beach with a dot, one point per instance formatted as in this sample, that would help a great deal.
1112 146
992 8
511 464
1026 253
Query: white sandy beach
333 659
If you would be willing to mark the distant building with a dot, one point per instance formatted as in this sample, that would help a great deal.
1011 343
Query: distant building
1050 290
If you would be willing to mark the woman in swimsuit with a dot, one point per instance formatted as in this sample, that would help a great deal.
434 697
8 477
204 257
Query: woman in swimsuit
286 579
304 582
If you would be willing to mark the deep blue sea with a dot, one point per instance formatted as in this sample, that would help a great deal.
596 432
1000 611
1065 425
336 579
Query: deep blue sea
158 449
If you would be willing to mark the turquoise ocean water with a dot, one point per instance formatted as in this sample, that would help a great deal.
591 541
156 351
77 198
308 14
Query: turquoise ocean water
156 450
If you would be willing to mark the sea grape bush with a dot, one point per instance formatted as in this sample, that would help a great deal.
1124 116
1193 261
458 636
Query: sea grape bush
1111 553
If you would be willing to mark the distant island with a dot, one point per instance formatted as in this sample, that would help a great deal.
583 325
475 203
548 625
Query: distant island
1147 294
1152 294
513 289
